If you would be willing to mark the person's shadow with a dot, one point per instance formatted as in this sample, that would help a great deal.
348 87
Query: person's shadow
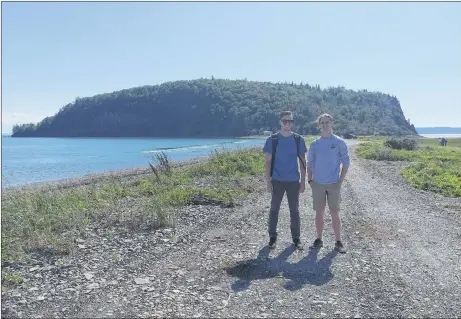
307 271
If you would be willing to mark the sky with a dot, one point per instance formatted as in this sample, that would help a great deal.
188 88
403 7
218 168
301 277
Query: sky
53 52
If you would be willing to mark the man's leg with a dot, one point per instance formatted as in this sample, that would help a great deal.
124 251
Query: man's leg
334 200
336 223
319 203
278 190
293 203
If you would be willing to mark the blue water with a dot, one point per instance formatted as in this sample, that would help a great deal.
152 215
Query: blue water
29 160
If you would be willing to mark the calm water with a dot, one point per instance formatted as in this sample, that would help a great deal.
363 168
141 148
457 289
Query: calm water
28 160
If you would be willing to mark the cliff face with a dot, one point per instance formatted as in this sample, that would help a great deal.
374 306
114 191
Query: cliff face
218 108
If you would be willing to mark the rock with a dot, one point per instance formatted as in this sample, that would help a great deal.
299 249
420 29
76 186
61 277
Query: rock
94 285
41 298
89 275
141 281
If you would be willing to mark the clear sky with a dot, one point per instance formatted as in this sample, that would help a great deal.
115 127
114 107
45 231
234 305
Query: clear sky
54 52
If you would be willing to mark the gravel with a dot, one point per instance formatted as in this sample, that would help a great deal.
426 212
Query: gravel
403 260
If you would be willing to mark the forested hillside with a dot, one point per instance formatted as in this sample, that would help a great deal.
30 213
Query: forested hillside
220 108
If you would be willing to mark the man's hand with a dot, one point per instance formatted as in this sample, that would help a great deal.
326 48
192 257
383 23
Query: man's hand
302 187
269 186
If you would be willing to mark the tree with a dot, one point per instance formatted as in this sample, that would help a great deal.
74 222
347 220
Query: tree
220 107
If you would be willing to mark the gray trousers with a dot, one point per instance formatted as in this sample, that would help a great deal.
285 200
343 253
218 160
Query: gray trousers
278 190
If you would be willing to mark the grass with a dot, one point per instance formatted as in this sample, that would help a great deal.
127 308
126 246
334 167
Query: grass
51 221
433 167
11 280
452 142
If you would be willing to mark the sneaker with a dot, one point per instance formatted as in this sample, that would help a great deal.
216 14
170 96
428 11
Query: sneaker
318 243
298 244
272 241
339 247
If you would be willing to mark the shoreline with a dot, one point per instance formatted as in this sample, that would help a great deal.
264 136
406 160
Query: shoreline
95 178
126 174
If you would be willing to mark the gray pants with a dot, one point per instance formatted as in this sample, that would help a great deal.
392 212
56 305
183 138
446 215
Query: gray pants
278 190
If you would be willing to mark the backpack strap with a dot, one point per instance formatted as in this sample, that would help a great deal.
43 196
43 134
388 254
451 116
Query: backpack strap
275 140
298 140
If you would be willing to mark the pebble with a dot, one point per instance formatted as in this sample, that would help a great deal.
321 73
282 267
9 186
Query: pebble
89 275
93 286
141 281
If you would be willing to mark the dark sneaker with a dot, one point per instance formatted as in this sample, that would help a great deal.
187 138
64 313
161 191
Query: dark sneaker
298 244
318 243
339 247
272 241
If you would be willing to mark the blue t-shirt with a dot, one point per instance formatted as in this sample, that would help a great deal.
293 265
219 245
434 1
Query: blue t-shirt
286 167
324 158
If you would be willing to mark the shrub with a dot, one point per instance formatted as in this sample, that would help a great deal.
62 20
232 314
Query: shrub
385 154
402 144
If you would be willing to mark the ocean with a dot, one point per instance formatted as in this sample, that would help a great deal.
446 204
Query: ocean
30 160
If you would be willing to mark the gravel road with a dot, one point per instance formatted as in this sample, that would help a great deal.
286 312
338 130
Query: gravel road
403 260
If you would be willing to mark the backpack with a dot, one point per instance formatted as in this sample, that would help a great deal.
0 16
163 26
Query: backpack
275 141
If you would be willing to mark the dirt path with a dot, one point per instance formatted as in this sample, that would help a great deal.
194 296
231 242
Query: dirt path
403 260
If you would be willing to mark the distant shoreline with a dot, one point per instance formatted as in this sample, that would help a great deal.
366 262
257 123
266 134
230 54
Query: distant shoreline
437 135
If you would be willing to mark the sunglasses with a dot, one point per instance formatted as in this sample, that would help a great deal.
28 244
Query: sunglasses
287 121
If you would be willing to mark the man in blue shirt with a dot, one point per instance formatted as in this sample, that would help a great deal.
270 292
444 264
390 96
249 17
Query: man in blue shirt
283 175
325 156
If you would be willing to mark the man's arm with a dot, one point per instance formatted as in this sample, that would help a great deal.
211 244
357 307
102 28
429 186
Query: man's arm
310 161
302 162
267 164
345 160
302 165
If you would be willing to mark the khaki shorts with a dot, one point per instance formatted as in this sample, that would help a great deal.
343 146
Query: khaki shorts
322 192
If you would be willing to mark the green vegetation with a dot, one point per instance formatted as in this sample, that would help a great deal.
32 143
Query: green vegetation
452 142
11 280
51 221
433 168
221 108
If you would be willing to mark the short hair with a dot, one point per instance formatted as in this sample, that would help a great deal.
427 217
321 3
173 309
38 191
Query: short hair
285 113
325 115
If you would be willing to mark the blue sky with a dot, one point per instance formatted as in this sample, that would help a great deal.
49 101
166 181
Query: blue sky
54 52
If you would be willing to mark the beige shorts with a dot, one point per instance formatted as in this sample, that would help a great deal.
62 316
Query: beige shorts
323 192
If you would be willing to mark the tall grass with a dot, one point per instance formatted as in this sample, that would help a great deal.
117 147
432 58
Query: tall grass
51 221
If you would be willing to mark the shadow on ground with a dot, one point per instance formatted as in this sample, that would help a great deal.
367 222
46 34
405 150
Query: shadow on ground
308 270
